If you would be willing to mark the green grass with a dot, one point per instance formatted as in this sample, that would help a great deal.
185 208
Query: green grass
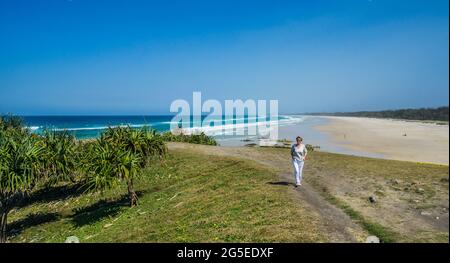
426 182
187 198
192 197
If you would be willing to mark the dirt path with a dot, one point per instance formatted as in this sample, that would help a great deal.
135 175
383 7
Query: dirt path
335 224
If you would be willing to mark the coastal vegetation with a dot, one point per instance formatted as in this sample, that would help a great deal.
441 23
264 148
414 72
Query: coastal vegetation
189 197
200 138
423 114
30 161
196 196
21 167
118 156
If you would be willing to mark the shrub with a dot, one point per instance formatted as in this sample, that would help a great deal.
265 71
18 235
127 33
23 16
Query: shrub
20 169
119 155
201 138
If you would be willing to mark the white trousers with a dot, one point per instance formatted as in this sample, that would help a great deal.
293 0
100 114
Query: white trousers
298 169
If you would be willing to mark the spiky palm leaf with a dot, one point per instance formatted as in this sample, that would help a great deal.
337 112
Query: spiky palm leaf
20 169
109 163
60 157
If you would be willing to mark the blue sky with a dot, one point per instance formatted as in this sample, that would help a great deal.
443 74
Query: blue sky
136 57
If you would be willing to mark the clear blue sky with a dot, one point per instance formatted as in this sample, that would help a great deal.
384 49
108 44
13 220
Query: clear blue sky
136 57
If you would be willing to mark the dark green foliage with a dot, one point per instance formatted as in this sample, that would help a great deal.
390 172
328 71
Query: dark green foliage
11 122
426 114
20 169
143 142
60 156
201 138
119 155
106 164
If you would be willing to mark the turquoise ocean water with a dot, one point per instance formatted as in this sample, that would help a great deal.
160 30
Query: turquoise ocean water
84 127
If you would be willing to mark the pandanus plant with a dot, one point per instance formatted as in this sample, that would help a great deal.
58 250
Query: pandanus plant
20 170
109 164
145 142
154 144
11 122
60 156
119 155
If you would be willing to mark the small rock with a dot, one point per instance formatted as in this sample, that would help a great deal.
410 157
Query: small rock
437 218
372 199
72 239
372 239
107 225
396 181
420 190
380 193
425 213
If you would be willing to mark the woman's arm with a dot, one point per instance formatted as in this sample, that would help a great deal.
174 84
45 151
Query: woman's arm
305 153
292 152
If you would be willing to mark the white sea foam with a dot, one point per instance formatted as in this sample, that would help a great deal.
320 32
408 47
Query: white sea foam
228 128
237 128
94 128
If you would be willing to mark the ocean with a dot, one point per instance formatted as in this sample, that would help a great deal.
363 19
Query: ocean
229 131
87 127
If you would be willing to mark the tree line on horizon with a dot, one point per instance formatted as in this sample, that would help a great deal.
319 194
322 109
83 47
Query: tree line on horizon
423 114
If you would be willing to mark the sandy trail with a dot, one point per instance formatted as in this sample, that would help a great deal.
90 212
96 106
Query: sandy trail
335 224
392 139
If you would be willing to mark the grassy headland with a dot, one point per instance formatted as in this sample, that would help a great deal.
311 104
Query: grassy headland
189 197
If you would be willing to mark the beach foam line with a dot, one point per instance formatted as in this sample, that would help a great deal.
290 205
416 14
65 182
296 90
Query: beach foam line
221 119
228 127
94 128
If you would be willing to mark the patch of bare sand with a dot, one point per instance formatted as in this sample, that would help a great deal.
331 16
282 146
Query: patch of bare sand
393 139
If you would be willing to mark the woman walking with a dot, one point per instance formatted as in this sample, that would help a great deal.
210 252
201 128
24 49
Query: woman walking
298 153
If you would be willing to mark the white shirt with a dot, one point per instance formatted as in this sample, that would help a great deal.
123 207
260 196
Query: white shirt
299 152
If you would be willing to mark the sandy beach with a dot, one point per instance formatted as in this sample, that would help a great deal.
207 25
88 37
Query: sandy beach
390 139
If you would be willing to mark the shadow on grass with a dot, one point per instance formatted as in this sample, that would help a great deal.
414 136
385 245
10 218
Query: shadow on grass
53 193
281 183
101 209
31 220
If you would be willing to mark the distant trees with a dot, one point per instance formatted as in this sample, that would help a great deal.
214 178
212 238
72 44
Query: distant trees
430 114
